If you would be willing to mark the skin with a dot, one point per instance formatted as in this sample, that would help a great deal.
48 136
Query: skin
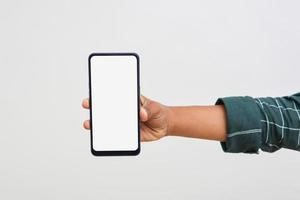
158 121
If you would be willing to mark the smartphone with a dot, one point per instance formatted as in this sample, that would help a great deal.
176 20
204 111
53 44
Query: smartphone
114 95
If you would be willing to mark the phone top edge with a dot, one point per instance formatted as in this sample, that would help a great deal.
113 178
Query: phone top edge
115 54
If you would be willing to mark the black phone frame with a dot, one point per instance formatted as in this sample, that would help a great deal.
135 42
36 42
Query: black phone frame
117 152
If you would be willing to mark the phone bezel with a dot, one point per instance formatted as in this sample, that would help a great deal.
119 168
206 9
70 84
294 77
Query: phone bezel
118 152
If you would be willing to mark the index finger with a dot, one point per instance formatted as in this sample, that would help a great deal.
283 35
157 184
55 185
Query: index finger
86 103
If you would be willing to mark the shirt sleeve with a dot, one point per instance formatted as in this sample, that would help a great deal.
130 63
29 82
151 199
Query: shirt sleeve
268 123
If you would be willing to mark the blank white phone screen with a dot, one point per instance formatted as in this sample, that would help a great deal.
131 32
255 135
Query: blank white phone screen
114 93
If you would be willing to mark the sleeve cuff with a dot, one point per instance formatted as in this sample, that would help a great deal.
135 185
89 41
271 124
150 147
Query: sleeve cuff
243 125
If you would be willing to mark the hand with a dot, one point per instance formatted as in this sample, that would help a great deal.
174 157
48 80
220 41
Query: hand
155 119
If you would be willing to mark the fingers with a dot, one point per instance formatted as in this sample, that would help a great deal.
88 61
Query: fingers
86 124
143 113
86 103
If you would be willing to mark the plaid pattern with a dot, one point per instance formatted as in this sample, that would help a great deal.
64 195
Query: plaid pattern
262 123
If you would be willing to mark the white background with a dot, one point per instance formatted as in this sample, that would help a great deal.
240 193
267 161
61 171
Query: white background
192 52
114 89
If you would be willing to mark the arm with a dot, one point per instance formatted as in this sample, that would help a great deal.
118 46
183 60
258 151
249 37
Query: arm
204 122
242 124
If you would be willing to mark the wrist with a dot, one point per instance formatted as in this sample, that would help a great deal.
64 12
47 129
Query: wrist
170 120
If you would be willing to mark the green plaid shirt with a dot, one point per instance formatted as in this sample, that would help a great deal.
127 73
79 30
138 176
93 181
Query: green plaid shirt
267 123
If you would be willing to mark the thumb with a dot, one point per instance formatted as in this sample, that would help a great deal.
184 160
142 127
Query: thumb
143 114
144 111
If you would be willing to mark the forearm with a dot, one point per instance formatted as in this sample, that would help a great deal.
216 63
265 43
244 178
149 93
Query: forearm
205 122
